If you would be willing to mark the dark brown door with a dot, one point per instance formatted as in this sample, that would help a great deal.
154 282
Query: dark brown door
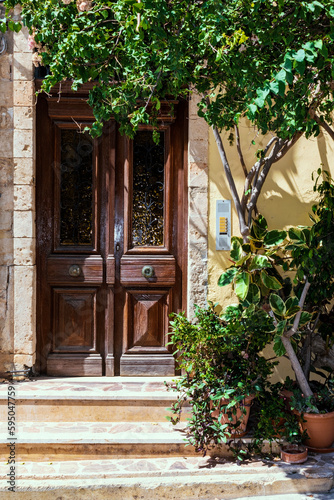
111 230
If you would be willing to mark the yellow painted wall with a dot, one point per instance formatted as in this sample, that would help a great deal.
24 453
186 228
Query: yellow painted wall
286 198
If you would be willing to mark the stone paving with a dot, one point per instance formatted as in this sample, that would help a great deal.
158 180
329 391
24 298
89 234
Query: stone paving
175 466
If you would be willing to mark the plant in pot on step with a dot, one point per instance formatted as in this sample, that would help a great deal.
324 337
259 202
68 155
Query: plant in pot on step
220 356
279 427
301 307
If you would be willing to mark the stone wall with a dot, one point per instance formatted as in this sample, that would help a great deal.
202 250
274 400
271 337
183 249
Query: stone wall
17 210
197 209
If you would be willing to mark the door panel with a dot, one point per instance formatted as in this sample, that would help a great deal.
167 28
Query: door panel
111 247
74 320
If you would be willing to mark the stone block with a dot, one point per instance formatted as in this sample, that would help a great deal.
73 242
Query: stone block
22 361
6 144
23 117
23 93
24 309
6 198
193 108
198 151
6 361
23 171
198 129
23 68
197 275
24 251
198 201
24 197
6 309
6 171
198 228
6 62
6 119
6 248
24 224
198 175
6 220
23 144
6 93
21 41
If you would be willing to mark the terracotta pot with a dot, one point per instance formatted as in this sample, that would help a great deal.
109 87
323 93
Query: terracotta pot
320 429
246 404
294 453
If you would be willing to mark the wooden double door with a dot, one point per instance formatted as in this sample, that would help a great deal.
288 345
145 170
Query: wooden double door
111 242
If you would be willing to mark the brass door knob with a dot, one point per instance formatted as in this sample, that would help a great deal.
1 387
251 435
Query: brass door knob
74 271
147 271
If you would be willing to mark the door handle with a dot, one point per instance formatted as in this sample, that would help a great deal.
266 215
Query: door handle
74 271
147 271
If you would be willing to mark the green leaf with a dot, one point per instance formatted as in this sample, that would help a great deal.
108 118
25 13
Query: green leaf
297 235
236 252
281 325
300 55
3 25
274 238
270 282
300 67
252 108
305 318
275 87
227 277
291 312
259 262
242 281
280 76
291 302
279 348
254 294
277 305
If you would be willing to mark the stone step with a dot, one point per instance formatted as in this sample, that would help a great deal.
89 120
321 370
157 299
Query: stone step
90 399
173 478
92 440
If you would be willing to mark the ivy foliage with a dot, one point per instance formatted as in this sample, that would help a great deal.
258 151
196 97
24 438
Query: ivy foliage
270 61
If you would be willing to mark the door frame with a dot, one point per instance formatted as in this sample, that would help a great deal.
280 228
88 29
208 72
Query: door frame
181 137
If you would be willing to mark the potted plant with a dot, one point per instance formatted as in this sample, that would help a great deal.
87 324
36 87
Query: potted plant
224 370
275 424
299 307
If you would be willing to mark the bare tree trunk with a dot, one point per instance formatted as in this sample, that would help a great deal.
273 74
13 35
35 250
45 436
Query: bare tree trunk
301 379
286 339
244 229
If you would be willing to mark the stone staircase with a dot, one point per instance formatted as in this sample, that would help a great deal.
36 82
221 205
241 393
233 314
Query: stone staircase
109 438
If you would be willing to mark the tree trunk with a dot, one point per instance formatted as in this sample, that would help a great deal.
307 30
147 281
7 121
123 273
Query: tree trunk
301 379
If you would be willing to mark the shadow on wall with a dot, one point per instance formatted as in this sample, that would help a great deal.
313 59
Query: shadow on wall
286 199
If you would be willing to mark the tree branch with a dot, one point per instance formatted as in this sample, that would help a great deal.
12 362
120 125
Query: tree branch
302 381
287 145
241 156
267 163
244 229
294 327
325 125
286 339
254 172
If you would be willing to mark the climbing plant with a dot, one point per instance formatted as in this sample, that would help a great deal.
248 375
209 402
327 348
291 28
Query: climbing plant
266 61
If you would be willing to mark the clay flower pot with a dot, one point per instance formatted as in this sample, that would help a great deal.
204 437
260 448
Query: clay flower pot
320 429
223 418
294 453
